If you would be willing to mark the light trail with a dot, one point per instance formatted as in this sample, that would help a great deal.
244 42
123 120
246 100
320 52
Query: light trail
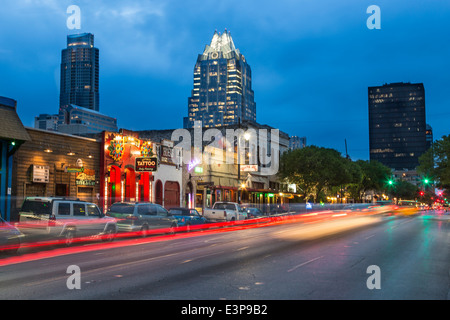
136 238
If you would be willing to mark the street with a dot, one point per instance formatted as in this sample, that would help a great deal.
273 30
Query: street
327 258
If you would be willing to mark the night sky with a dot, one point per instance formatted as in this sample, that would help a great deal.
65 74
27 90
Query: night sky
312 61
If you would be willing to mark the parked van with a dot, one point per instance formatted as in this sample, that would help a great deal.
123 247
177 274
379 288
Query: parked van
60 218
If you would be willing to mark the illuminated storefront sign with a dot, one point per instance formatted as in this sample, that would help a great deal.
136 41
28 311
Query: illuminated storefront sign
193 164
146 164
249 167
85 178
198 170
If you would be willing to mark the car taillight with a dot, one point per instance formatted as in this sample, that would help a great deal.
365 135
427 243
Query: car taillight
52 221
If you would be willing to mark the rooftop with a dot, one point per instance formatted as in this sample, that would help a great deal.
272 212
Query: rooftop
221 43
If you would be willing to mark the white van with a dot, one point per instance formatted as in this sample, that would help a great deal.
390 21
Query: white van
60 218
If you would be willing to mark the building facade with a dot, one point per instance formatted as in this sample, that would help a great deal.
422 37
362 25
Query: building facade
296 142
80 72
12 136
222 92
397 124
133 168
79 121
56 164
79 93
46 122
229 166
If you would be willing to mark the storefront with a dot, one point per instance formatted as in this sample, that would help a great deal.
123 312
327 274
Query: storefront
169 176
135 169
56 164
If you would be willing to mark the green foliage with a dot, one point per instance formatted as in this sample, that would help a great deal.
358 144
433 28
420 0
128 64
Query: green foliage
316 170
403 190
435 163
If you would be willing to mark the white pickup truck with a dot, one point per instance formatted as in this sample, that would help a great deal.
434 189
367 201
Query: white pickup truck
225 211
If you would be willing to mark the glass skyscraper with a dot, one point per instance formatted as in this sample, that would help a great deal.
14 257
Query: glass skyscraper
397 124
80 72
222 93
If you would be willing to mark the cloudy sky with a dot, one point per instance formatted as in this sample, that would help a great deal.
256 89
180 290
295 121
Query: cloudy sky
312 60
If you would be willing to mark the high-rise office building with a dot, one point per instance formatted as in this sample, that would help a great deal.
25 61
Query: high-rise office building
222 94
80 72
397 125
296 142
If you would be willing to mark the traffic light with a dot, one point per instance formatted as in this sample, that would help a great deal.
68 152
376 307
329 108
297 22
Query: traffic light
422 193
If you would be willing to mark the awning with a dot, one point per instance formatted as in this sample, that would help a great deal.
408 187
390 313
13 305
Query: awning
255 178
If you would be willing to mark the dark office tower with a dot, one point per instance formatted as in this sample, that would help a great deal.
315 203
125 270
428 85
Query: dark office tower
80 72
222 93
397 125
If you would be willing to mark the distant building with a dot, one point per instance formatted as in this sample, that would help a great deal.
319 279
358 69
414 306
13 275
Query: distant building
397 125
80 72
429 136
46 122
77 120
222 93
297 142
79 97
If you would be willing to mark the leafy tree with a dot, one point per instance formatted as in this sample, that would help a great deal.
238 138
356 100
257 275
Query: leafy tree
435 163
373 175
404 190
314 169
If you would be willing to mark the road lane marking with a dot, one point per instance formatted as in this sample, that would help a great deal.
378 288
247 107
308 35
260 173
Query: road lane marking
304 263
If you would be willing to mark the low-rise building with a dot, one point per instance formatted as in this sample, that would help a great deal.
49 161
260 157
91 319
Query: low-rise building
56 164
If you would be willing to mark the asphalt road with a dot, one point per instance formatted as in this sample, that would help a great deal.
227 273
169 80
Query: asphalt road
330 259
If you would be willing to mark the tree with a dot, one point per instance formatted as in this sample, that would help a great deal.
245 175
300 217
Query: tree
314 169
404 190
435 163
373 175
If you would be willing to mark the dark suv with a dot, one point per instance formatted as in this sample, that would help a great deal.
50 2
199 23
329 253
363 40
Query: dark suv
142 217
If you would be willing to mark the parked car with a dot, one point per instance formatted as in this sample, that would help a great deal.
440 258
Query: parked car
225 211
253 213
10 237
56 218
187 217
142 217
